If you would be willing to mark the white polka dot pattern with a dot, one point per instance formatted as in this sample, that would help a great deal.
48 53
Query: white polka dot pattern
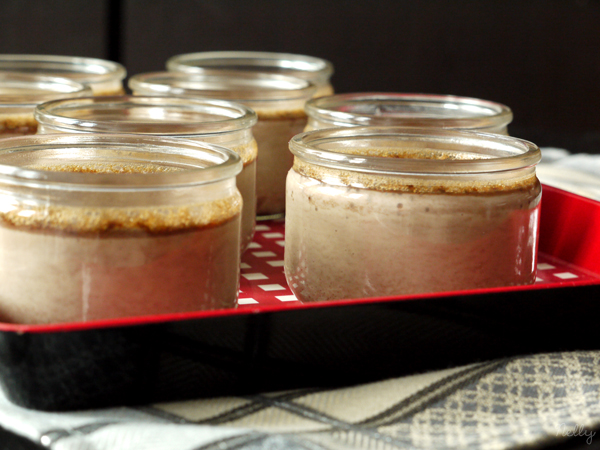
263 282
551 271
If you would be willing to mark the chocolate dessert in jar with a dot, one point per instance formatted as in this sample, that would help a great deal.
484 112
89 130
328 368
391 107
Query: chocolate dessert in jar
408 110
103 77
278 101
316 70
19 95
388 211
104 226
215 121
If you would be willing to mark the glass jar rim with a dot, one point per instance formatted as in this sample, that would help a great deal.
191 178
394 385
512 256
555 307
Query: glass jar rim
410 110
229 116
201 163
303 66
224 85
31 90
83 69
501 153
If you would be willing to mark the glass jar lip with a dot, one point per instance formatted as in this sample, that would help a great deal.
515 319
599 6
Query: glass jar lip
202 163
224 85
302 66
410 110
82 69
30 90
229 116
502 153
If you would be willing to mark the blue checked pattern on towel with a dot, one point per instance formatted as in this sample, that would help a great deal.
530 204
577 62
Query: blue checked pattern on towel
530 400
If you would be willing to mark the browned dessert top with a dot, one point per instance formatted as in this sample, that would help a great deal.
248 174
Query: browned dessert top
419 183
18 124
97 167
112 220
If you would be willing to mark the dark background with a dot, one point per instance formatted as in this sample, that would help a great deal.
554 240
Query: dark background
540 57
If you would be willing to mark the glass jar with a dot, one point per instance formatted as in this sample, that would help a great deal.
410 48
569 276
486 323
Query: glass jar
387 211
316 70
216 121
279 104
103 226
408 110
103 77
19 95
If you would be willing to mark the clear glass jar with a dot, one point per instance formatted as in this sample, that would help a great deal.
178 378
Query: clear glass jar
216 121
386 211
316 70
19 95
279 104
408 110
103 226
103 77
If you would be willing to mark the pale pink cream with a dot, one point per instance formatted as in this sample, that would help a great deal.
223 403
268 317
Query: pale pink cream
344 242
272 133
79 263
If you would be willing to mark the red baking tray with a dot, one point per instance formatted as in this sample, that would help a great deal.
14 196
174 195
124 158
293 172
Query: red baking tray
273 342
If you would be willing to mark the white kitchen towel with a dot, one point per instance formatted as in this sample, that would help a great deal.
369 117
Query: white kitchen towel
532 400
577 173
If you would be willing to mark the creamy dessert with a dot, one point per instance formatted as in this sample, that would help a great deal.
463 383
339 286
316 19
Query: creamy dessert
279 104
246 184
115 250
356 234
273 132
215 121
